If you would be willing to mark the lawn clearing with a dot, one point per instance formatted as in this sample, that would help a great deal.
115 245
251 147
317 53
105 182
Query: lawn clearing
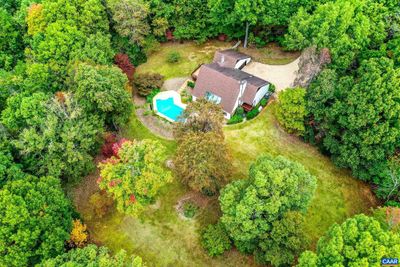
338 194
160 236
271 54
192 55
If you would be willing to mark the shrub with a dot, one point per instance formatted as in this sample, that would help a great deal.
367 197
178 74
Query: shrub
291 110
149 98
235 119
109 140
191 84
239 111
264 102
215 239
173 57
252 114
392 203
272 88
147 82
190 209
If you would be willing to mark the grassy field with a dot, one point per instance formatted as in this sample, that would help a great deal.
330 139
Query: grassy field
193 55
163 238
338 194
270 54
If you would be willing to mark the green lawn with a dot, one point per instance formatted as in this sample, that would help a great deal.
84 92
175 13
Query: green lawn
162 238
195 54
338 194
192 56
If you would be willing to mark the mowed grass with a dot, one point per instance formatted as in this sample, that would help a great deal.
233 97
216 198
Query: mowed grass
338 195
192 56
271 54
159 235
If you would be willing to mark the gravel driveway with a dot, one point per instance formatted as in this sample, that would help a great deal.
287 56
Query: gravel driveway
282 76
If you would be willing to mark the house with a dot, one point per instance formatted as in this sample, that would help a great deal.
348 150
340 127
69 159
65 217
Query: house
224 83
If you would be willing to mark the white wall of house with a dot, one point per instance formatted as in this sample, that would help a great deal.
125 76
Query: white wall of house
241 62
260 94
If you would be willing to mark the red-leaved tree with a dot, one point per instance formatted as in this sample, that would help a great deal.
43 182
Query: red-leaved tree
123 62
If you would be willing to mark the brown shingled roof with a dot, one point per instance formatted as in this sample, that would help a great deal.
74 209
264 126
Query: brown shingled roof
228 58
225 83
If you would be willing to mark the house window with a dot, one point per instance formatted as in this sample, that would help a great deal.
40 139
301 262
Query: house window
213 98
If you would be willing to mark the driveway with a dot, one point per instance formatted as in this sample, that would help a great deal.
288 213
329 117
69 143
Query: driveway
282 76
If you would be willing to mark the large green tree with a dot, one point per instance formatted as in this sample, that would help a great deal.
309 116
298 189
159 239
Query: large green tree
101 90
357 117
10 40
359 241
93 256
35 220
62 144
130 19
347 28
252 207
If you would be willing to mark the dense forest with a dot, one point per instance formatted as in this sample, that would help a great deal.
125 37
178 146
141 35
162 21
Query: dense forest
66 67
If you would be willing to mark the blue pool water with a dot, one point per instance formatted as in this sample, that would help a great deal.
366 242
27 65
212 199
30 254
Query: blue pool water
168 108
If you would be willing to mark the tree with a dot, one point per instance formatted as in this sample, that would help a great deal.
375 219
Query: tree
215 239
35 220
250 207
24 110
101 90
286 240
347 28
79 235
130 19
359 241
9 169
200 116
291 110
10 41
203 162
35 19
357 117
246 12
147 82
135 175
123 62
62 144
93 256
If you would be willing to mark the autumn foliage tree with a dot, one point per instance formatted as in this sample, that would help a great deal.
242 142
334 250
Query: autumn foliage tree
135 175
123 62
79 234
203 162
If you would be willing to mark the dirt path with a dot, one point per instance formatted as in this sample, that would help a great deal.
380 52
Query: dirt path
282 76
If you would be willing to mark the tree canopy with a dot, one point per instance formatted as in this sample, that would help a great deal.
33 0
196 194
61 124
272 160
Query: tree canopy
134 175
251 207
358 241
35 220
92 255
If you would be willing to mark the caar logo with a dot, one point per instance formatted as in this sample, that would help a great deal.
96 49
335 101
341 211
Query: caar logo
390 261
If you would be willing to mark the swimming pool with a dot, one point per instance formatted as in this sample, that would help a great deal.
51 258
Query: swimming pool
168 105
168 108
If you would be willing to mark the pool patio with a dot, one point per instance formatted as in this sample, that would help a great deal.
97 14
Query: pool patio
168 105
